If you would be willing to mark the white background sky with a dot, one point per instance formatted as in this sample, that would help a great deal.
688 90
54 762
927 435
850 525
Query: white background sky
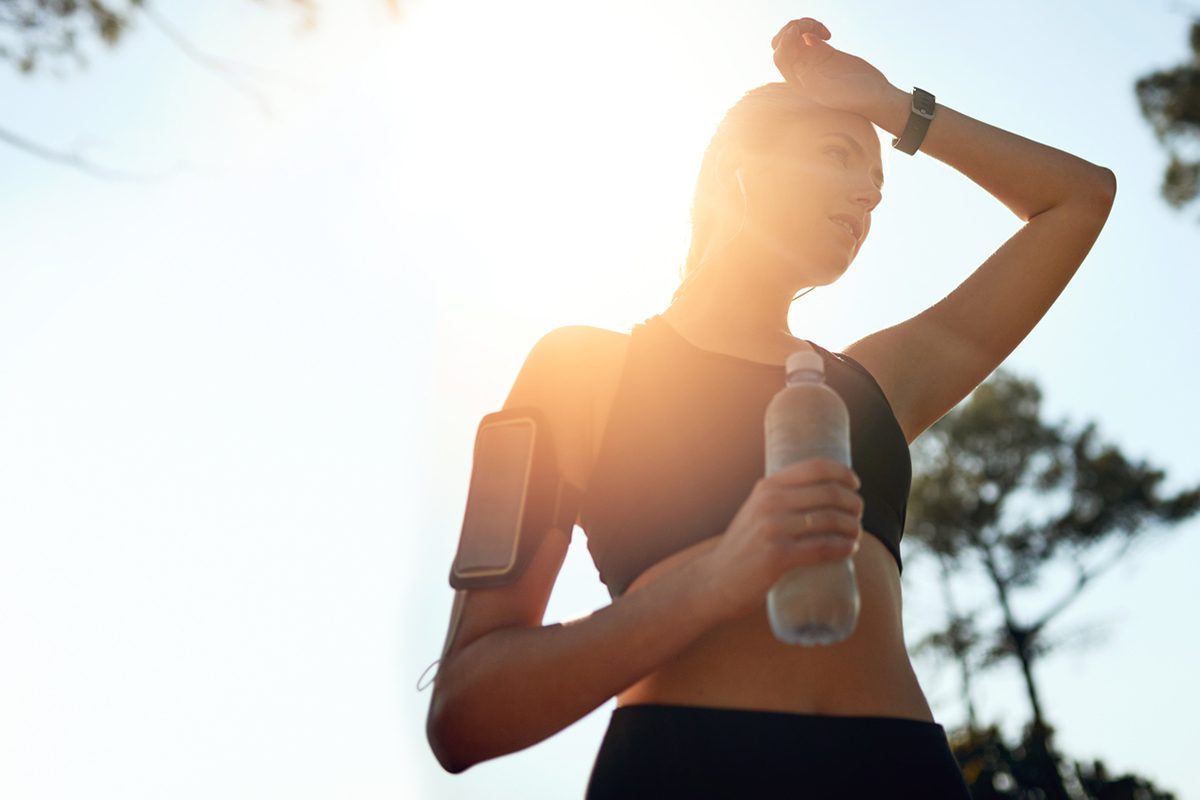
237 404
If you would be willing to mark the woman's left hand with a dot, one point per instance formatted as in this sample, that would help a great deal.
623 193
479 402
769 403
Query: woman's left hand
824 74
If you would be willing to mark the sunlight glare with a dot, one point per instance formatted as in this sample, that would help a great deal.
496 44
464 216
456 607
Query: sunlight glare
543 143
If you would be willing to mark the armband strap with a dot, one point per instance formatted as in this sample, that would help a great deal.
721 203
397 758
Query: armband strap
516 495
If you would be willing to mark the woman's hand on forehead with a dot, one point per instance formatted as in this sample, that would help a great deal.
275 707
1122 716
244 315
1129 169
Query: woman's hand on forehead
823 74
804 24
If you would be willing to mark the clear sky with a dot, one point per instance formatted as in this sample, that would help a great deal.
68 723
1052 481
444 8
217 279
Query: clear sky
237 403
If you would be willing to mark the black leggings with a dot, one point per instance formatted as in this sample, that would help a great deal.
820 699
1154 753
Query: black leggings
653 750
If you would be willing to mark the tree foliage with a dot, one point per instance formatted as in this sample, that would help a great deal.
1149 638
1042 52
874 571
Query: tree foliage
999 489
1170 101
41 35
37 34
996 770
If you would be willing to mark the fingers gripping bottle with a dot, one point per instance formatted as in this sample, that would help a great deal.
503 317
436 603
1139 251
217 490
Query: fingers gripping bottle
817 603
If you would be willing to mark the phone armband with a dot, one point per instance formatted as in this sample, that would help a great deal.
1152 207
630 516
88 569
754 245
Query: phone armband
515 497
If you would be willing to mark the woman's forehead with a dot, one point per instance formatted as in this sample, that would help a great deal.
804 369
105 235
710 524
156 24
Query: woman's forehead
851 129
818 123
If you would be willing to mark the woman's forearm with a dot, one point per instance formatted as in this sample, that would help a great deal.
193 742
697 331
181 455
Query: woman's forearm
517 686
1026 176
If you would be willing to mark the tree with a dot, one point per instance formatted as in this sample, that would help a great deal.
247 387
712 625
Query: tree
39 34
980 473
1170 102
35 32
995 771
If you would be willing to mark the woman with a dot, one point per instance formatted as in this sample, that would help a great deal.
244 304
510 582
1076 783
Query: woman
663 430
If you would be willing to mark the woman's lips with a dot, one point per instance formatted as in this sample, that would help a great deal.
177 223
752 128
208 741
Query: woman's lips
843 229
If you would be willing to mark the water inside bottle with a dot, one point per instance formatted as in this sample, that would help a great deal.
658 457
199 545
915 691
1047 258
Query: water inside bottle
811 635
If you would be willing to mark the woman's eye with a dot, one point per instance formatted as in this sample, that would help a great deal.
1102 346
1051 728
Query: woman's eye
845 153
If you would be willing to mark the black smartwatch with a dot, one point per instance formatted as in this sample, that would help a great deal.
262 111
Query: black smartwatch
918 122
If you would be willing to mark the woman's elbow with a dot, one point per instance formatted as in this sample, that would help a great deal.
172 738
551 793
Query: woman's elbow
1107 189
442 739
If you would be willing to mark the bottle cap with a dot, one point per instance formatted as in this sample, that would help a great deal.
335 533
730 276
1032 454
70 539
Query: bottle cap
805 359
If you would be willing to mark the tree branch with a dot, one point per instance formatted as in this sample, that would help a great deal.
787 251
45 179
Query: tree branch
205 60
1084 577
75 160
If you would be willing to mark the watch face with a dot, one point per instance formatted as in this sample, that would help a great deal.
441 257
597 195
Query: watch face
923 102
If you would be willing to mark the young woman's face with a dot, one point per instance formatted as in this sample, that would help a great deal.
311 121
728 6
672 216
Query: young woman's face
828 165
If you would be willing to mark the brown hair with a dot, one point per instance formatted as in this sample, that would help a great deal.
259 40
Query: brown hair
757 122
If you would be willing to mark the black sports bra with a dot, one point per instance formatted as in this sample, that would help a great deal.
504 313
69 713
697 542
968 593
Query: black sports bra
684 446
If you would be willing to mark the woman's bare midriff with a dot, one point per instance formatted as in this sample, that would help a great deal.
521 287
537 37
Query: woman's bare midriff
740 664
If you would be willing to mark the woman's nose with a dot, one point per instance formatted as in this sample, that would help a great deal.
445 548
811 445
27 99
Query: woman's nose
869 196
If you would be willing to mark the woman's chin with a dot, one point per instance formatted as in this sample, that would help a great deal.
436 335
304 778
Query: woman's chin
800 262
820 273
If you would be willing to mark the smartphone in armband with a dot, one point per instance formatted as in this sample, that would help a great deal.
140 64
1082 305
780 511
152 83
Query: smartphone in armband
515 497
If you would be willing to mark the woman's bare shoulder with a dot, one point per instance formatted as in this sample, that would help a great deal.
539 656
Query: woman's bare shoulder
587 336
584 351
585 363
571 372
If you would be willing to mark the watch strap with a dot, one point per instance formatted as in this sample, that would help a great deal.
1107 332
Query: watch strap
919 117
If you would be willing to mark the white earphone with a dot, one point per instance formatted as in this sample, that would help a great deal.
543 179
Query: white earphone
741 185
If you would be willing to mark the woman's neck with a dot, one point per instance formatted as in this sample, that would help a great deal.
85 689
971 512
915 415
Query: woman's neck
734 313
742 330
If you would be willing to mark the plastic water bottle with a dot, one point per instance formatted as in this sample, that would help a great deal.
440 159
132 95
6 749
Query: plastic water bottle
817 603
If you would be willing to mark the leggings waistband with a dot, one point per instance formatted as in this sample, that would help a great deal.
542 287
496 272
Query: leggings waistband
659 750
758 717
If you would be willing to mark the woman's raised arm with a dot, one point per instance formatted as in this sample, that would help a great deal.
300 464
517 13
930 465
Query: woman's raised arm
934 359
927 364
